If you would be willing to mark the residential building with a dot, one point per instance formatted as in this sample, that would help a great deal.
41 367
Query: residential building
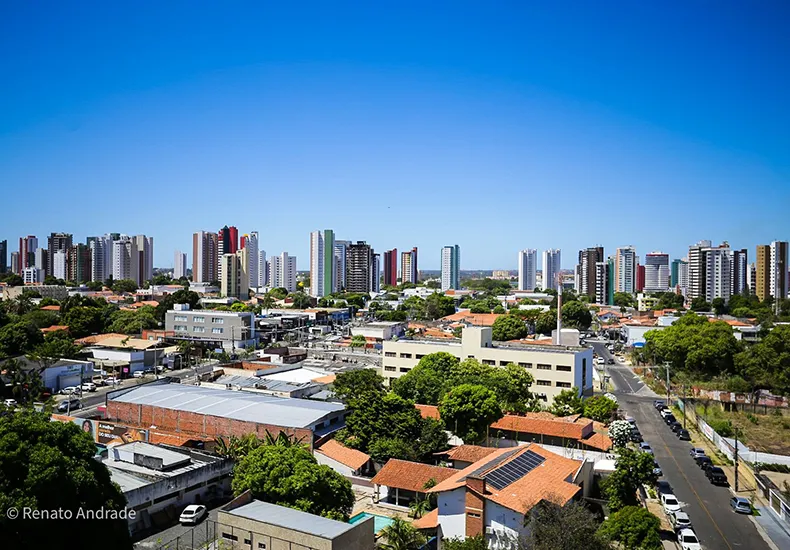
205 246
32 275
552 265
585 270
235 278
282 272
227 243
261 524
14 264
391 267
717 272
57 242
131 354
125 259
696 270
179 264
145 258
101 257
225 328
640 276
341 248
752 277
602 283
657 272
27 252
527 269
250 243
777 275
3 256
375 274
554 368
263 271
625 262
322 263
739 276
408 266
56 292
58 374
451 268
79 263
680 274
344 460
60 265
359 267
42 257
610 280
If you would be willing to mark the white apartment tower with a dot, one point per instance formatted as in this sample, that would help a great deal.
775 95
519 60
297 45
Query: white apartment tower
778 270
263 270
282 272
250 243
717 272
322 263
527 269
657 272
451 267
625 262
696 269
602 283
179 264
340 250
59 270
552 264
125 259
235 278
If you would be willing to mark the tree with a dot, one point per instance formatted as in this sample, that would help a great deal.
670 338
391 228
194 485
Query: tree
300 300
17 338
719 306
477 542
401 535
620 432
358 341
290 476
468 410
637 467
599 408
426 383
12 279
567 402
182 296
498 309
57 345
377 416
433 439
512 387
349 386
634 528
576 315
278 293
699 304
386 448
623 299
546 322
553 526
766 364
126 321
84 321
49 466
438 305
26 384
124 285
508 327
479 306
267 302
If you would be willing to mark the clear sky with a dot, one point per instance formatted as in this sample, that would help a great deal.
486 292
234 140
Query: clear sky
494 125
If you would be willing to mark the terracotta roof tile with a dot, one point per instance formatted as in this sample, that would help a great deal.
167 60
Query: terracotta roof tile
599 441
55 328
328 379
410 476
337 451
571 427
477 319
428 411
469 453
428 521
51 308
98 338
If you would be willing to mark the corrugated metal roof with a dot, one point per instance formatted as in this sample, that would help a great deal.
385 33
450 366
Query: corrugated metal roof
245 406
289 518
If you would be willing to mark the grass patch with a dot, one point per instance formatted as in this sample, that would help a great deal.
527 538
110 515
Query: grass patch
767 433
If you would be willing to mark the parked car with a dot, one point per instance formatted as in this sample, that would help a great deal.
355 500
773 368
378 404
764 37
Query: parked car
704 462
680 520
657 469
610 361
192 514
687 539
670 503
69 390
675 426
695 452
659 404
138 374
69 405
683 435
112 381
664 412
599 360
10 403
631 420
741 505
149 370
645 447
717 476
88 386
636 437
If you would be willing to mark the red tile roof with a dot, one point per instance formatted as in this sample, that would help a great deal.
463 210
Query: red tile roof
599 441
469 453
51 308
428 521
428 411
55 328
410 476
571 427
349 457
476 319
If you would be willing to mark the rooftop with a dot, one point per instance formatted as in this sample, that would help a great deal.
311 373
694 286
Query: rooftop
349 457
410 476
245 406
257 510
469 453
168 458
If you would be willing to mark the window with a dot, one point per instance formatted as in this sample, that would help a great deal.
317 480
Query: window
229 536
180 318
473 515
218 320
248 541
405 355
504 363
216 330
198 319
489 362
389 354
198 329
563 384
544 367
563 368
389 369
180 328
543 382
419 356
261 546
525 365
405 369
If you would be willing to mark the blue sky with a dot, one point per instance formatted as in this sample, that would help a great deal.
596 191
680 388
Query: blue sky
497 125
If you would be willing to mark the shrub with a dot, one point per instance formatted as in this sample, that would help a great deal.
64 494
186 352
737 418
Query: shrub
753 419
722 427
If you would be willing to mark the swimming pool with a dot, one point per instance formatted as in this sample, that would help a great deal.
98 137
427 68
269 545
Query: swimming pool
379 522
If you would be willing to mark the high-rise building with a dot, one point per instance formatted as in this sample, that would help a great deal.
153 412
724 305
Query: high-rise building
205 248
391 267
235 279
179 265
717 272
227 243
408 266
27 252
32 275
340 264
57 242
451 267
60 265
602 283
610 281
657 272
14 264
762 286
145 259
640 276
282 272
778 274
696 270
125 259
359 267
552 265
263 269
752 277
527 269
625 263
679 274
79 263
101 256
3 256
250 243
322 263
585 270
42 257
375 273
739 278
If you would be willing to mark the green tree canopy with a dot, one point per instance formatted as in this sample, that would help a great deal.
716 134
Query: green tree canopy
300 300
437 306
766 364
567 402
555 527
623 299
18 338
57 345
546 322
278 293
358 341
599 408
125 321
124 285
634 528
351 385
426 383
508 327
48 466
576 315
401 535
84 321
290 476
467 410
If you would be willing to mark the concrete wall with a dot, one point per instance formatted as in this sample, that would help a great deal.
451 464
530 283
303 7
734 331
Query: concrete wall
341 469
452 515
506 524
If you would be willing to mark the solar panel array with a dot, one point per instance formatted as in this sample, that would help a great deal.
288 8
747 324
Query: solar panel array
492 463
514 470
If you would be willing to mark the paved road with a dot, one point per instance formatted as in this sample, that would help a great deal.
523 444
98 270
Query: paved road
716 525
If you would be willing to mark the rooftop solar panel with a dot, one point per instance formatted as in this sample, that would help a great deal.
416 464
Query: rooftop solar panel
514 470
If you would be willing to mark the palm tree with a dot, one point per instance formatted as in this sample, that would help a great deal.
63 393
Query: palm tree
401 535
423 505
282 439
267 302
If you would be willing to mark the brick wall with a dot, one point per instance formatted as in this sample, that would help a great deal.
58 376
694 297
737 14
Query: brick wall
189 423
475 506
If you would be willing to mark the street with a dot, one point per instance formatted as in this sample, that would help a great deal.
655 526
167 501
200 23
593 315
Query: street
716 525
191 536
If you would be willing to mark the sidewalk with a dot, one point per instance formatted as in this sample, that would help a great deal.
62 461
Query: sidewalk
772 527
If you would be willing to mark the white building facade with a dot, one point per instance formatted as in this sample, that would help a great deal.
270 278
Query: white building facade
657 272
527 269
451 268
552 264
179 264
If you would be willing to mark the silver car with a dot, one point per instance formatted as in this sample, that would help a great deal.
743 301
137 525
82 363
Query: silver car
741 505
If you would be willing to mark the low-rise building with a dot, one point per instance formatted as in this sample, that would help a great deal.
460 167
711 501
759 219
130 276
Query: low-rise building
56 292
344 460
134 354
554 368
400 482
224 329
246 523
380 330
62 373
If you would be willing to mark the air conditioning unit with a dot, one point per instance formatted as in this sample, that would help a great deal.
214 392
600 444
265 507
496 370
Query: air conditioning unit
490 530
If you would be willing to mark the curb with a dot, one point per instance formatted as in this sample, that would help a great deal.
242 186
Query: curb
763 532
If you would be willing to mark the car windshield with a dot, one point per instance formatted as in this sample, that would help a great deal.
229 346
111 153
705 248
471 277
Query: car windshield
690 538
670 500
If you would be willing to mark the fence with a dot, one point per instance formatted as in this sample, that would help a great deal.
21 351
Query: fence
213 535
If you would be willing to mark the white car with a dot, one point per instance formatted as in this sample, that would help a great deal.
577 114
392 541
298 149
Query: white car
680 520
687 539
599 361
111 381
138 374
70 390
10 403
192 514
88 386
670 503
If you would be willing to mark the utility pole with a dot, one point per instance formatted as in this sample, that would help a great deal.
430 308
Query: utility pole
736 460
685 404
666 366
